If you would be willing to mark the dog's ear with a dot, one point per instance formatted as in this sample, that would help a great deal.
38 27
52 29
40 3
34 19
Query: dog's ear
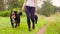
15 11
20 13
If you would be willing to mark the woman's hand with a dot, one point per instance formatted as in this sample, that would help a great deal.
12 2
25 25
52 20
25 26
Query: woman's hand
23 8
35 3
35 9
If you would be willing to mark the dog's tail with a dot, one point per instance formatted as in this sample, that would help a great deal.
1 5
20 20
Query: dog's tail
36 18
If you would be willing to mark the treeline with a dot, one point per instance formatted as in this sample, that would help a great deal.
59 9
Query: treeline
10 4
48 8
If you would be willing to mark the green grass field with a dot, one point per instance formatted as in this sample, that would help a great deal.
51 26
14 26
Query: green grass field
5 26
52 28
54 25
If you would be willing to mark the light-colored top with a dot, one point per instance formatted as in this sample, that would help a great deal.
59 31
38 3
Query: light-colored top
30 3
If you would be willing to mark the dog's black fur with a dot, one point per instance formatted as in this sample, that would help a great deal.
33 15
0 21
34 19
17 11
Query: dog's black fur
36 18
17 19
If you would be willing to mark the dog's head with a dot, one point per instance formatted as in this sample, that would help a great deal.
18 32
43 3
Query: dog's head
13 14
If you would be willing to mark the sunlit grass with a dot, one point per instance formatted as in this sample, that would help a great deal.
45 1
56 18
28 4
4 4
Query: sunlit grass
54 26
5 26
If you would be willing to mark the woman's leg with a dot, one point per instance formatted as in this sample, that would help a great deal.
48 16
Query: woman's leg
28 16
32 16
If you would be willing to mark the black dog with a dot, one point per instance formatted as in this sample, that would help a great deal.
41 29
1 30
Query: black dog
15 18
36 18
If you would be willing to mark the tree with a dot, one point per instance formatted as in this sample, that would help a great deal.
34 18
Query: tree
1 5
47 8
15 3
56 9
10 4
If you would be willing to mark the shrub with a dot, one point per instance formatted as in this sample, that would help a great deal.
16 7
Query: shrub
5 13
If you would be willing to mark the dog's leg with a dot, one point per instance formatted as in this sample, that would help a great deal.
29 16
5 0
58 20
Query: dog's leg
19 23
12 25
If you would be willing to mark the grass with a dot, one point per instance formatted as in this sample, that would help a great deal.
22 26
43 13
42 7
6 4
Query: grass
5 26
54 26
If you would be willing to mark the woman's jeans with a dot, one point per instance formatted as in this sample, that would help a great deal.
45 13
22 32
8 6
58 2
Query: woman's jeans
30 15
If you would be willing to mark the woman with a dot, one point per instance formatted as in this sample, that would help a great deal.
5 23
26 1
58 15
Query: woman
30 7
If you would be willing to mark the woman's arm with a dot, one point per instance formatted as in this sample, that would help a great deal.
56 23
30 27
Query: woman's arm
35 3
24 5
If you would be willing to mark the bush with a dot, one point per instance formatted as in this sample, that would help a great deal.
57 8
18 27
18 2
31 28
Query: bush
5 13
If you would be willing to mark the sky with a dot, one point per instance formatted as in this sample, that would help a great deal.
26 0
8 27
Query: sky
54 2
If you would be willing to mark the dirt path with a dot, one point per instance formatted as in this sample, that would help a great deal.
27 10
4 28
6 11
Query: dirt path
49 19
42 30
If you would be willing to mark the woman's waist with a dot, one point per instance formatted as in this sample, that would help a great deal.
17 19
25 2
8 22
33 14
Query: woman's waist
30 5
